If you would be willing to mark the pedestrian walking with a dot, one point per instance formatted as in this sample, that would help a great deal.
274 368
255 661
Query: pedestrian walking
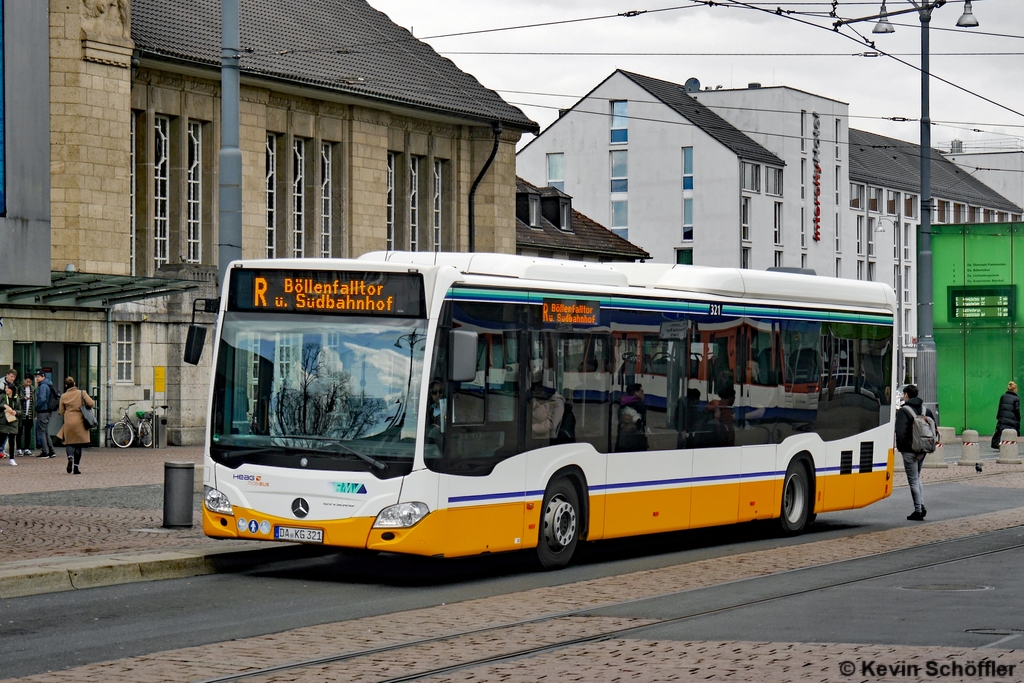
1008 413
12 414
75 433
44 409
909 431
27 394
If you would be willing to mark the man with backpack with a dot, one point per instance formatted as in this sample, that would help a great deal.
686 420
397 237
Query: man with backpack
916 437
47 401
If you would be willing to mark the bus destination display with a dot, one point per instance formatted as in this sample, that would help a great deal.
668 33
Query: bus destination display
327 292
973 303
564 312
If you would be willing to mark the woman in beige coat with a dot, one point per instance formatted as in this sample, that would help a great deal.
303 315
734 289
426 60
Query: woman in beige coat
75 432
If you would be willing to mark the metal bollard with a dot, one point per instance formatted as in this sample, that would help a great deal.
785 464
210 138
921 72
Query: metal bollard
178 491
971 453
1008 454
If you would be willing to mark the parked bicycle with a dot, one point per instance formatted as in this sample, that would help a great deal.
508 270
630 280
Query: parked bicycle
125 431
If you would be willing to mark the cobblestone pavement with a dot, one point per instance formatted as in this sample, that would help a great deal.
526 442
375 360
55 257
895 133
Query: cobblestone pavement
613 660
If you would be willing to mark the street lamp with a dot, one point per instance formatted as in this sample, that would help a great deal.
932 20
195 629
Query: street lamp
926 360
898 282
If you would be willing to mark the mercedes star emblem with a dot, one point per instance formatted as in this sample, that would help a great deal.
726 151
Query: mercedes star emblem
300 508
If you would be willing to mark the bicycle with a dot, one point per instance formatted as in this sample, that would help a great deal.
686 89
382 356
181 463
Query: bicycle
124 432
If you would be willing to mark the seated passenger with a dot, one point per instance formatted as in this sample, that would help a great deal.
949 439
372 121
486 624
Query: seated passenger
566 432
724 419
546 412
435 413
630 437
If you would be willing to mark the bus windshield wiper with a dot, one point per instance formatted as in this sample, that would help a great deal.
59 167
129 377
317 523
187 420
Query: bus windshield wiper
234 455
374 462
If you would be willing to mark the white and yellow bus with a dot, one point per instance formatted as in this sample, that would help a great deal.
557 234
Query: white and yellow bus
457 404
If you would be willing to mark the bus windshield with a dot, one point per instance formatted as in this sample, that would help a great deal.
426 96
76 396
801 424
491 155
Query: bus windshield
327 392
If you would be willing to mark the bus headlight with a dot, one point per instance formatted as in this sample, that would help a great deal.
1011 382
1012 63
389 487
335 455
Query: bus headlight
401 515
217 501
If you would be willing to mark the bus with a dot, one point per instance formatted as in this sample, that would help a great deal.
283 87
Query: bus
456 404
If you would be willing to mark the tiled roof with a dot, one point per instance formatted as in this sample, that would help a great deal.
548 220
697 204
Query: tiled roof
676 97
888 162
341 45
587 236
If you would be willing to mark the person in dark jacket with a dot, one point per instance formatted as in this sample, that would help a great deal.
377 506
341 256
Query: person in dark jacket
912 462
1008 413
44 389
9 420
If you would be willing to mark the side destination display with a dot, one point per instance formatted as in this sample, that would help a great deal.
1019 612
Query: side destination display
327 292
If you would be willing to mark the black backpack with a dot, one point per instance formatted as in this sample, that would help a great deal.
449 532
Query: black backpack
54 403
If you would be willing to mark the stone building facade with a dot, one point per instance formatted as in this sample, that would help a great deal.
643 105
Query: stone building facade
331 168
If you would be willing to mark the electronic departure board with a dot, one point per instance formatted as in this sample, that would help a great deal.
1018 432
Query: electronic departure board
327 292
981 303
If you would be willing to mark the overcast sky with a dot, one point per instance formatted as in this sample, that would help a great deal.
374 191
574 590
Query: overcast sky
873 86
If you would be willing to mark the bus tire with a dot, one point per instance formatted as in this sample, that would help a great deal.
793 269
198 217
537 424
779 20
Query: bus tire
796 499
560 525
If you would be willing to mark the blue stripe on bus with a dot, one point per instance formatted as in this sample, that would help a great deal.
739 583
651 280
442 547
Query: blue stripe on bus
640 484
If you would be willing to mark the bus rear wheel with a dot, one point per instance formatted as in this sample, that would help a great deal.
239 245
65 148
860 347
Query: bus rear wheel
559 525
796 499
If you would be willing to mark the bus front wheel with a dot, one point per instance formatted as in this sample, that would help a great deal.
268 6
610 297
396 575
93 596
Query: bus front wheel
559 525
796 499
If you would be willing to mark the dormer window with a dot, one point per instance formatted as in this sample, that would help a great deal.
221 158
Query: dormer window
534 211
565 215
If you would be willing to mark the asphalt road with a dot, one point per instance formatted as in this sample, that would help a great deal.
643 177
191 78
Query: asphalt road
59 630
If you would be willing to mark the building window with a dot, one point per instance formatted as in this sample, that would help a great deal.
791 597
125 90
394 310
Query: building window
803 178
906 241
959 213
892 202
839 267
943 213
860 270
125 353
271 172
860 235
745 218
751 177
871 271
684 257
438 187
391 203
620 218
839 136
534 211
778 259
990 216
326 205
838 234
910 206
773 181
687 219
195 193
565 215
803 261
906 287
298 198
161 188
745 257
556 171
620 121
778 222
620 171
803 131
838 185
856 196
414 203
803 227
872 224
874 199
687 168
132 197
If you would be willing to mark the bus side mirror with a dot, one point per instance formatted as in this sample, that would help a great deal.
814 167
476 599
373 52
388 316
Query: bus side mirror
462 350
194 344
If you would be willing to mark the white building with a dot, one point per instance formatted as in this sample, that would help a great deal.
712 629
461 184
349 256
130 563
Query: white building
1003 171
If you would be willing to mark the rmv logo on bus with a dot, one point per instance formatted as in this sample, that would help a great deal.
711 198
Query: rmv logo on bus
348 487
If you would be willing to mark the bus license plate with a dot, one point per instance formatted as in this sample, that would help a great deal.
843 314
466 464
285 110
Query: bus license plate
288 533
